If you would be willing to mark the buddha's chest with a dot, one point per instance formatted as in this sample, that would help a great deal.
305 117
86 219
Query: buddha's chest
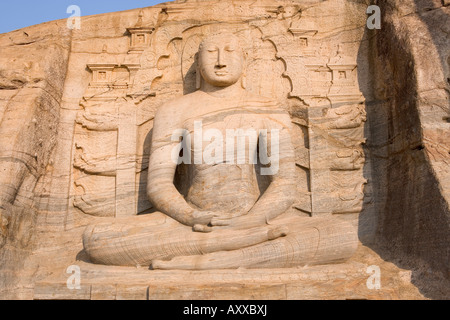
223 120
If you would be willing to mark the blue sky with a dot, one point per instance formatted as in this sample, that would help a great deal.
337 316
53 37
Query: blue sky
16 14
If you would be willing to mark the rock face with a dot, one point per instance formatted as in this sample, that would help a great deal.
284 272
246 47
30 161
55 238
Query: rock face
369 114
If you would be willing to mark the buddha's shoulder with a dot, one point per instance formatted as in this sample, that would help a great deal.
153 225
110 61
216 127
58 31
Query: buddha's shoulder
179 104
198 98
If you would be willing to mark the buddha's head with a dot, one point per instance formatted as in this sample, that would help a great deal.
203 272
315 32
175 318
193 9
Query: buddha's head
220 60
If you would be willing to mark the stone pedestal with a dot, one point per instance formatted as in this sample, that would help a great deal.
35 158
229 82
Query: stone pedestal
347 281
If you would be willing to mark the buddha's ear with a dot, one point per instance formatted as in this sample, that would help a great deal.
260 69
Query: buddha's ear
244 60
245 55
244 73
198 75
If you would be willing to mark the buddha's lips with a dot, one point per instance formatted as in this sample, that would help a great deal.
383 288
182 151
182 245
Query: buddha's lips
221 73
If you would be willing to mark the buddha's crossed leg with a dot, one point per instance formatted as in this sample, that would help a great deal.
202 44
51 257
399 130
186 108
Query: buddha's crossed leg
138 242
310 241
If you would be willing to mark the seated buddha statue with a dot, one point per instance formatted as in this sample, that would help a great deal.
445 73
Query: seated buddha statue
238 186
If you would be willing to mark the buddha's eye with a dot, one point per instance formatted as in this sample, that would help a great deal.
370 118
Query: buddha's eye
212 50
230 49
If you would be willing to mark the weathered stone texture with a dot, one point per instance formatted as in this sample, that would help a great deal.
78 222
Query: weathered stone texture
409 141
32 76
370 130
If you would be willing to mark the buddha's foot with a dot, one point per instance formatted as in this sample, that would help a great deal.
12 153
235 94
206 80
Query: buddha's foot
277 232
217 260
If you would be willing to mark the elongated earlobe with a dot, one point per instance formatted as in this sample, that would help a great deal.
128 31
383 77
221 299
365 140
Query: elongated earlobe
244 74
198 75
244 81
198 80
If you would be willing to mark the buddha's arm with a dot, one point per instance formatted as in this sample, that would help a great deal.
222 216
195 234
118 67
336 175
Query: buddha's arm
280 195
160 188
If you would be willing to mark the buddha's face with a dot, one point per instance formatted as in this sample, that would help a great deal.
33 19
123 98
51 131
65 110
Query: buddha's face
221 60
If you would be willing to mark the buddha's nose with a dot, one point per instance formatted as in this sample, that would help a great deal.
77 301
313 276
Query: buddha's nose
220 60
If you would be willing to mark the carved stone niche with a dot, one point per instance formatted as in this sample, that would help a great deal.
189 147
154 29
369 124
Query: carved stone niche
140 39
344 79
304 33
101 74
105 75
140 35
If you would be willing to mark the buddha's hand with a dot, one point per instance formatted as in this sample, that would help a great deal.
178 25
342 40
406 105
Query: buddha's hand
245 222
202 220
202 217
